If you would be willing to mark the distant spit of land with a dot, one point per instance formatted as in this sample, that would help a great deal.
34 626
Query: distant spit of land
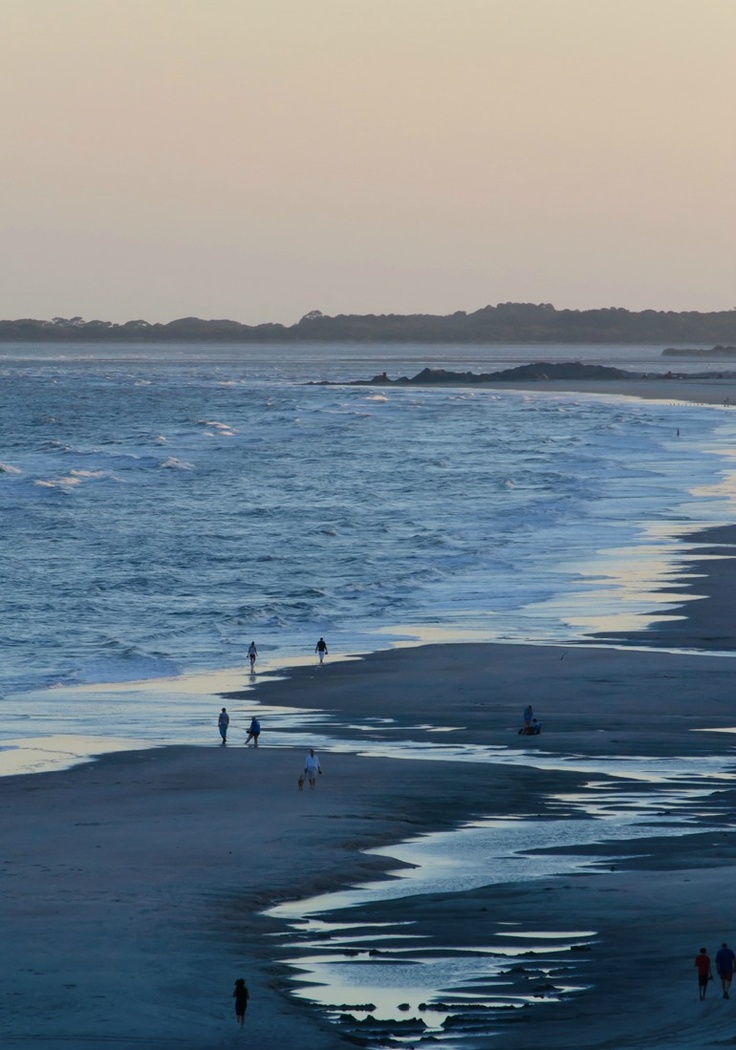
519 323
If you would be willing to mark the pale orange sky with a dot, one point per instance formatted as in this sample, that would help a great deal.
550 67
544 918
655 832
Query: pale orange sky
256 159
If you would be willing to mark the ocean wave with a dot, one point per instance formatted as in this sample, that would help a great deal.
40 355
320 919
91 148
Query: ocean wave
6 468
172 463
62 484
435 507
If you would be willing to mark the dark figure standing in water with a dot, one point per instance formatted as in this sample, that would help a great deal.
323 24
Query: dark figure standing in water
252 656
241 997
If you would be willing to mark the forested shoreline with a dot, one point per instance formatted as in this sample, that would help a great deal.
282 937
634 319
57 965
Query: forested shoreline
504 323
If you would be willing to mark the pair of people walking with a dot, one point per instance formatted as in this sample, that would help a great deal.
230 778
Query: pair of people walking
254 729
725 966
320 649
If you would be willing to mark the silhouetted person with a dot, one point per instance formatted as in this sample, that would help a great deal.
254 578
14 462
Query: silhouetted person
321 650
725 963
241 997
705 974
252 656
222 723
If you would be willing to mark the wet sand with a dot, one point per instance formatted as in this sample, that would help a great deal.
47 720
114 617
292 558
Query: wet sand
133 888
717 389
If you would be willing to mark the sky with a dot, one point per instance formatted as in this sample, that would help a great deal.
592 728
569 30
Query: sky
258 159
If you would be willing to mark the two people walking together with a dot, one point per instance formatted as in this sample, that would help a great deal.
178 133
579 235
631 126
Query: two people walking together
254 729
725 965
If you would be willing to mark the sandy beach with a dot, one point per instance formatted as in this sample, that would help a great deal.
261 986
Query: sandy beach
134 887
716 389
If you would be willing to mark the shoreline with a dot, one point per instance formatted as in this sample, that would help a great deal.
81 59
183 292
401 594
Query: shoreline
142 878
715 391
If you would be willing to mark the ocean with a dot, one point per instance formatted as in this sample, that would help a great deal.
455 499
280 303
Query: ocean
163 506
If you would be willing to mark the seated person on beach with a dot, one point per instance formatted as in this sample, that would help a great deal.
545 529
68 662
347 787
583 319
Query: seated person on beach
533 729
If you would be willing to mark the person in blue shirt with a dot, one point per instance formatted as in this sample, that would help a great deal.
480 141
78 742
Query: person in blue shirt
725 964
254 731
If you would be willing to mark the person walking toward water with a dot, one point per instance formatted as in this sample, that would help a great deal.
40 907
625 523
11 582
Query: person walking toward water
312 768
222 723
705 974
321 650
725 963
254 731
241 997
252 656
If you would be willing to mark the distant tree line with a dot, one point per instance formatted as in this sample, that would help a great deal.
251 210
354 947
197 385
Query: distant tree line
504 323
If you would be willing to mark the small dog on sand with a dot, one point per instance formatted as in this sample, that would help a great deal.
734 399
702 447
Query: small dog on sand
300 782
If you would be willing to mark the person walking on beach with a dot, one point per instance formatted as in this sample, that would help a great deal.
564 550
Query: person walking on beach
705 974
254 731
312 768
321 650
241 997
725 963
222 723
252 656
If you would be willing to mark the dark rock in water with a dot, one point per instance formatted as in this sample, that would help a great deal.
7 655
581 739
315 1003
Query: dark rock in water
537 372
540 370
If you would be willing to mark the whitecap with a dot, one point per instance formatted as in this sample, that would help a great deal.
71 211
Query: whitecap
65 484
215 425
177 464
5 468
